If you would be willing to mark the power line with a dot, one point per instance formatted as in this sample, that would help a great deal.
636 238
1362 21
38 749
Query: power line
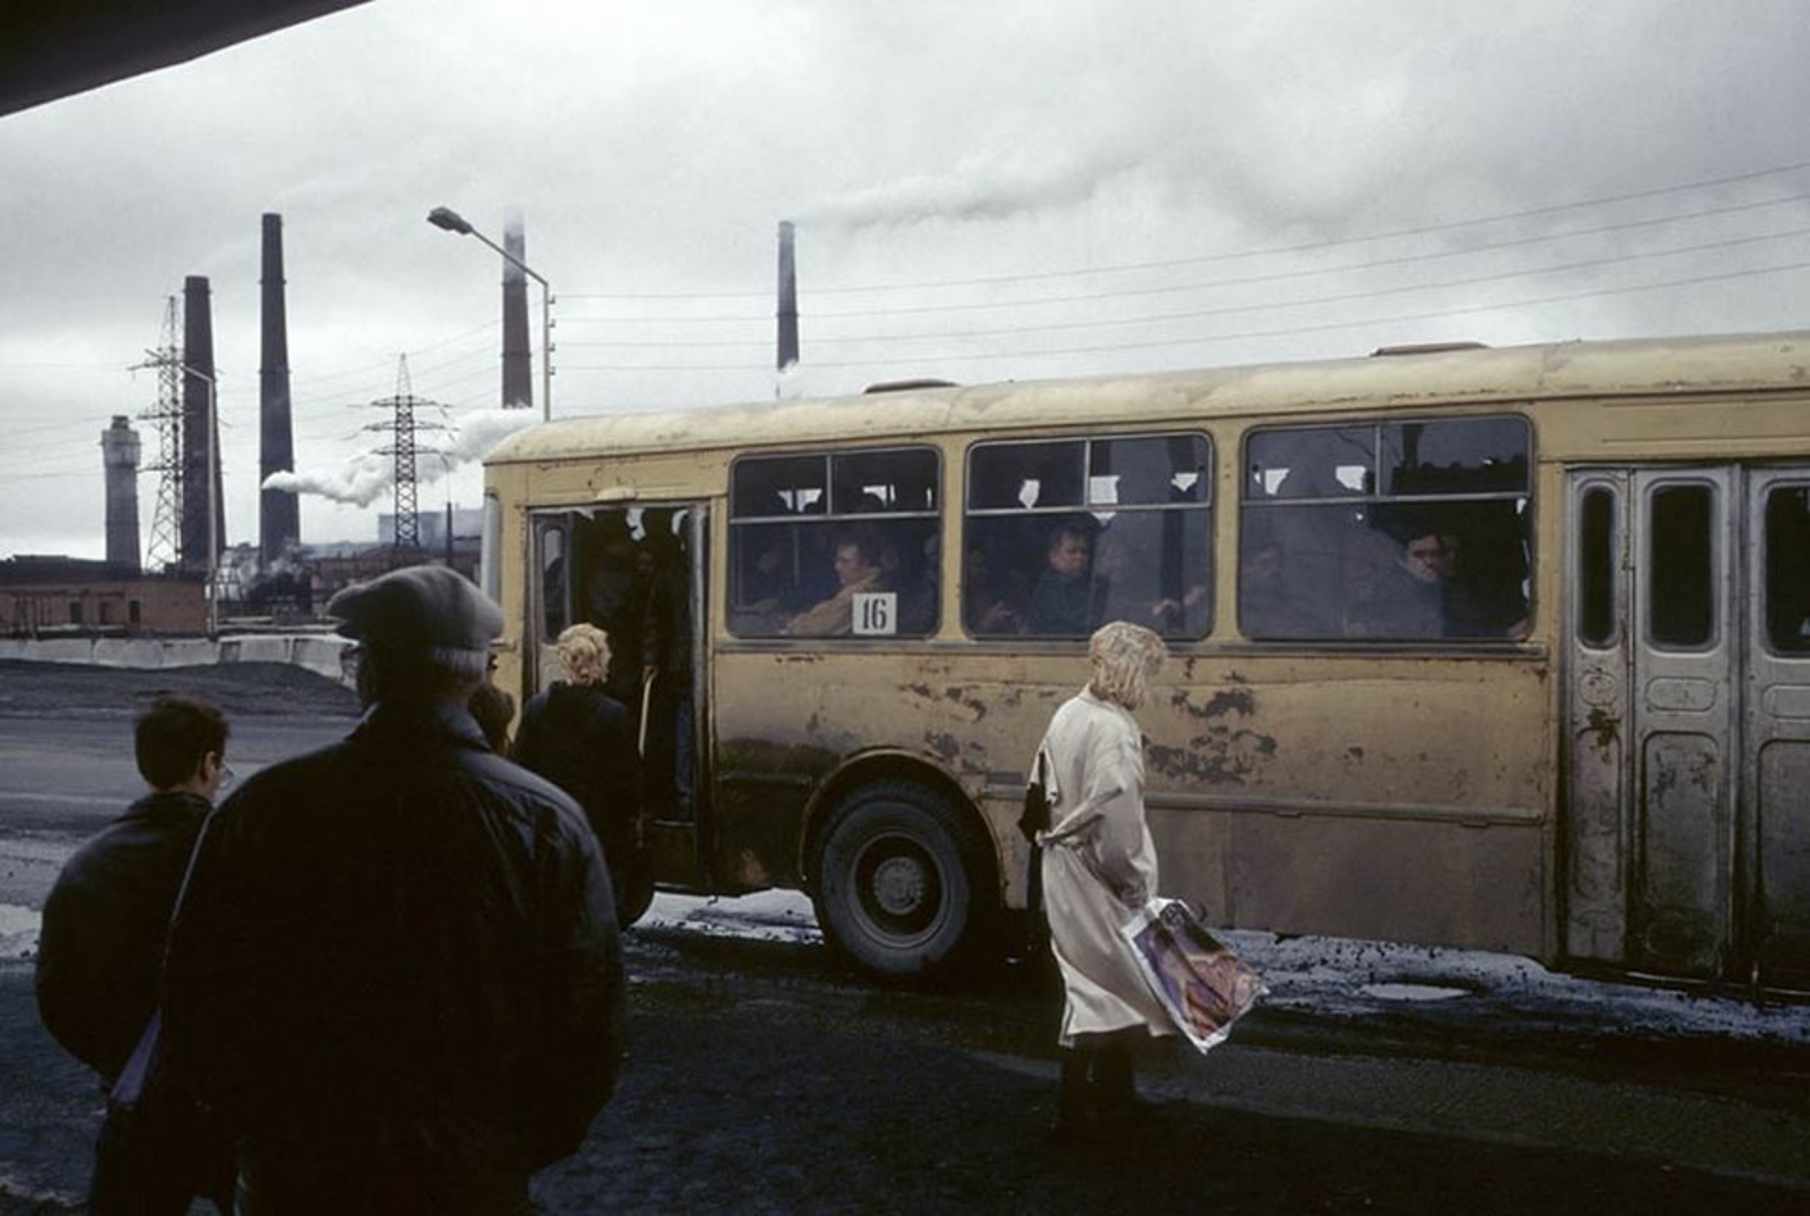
385 364
1309 246
1436 314
1221 310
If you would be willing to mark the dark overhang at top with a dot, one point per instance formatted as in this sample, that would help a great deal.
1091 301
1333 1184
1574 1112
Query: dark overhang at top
54 48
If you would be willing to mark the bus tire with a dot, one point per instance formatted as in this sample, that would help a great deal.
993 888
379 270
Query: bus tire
903 883
634 892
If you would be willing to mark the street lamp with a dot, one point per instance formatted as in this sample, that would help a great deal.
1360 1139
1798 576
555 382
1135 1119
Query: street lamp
452 221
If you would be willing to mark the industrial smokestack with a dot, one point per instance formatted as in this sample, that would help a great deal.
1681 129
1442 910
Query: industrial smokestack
119 456
198 361
788 300
279 511
518 361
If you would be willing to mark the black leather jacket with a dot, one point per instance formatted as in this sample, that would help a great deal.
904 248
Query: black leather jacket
101 945
398 954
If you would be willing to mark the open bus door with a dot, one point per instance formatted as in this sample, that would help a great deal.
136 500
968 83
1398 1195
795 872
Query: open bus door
604 566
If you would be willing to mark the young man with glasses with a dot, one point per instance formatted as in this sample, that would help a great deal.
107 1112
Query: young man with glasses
100 952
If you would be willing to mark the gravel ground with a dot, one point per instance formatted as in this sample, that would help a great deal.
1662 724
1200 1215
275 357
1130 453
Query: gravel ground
239 689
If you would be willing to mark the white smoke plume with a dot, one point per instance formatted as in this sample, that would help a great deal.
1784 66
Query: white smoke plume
361 480
978 188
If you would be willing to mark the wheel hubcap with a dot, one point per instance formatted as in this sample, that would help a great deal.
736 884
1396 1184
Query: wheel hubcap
899 889
899 884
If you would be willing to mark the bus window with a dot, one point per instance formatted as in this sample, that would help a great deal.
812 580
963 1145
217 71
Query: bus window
1787 587
1681 567
553 581
1596 568
861 562
1459 456
1063 537
1316 462
1440 551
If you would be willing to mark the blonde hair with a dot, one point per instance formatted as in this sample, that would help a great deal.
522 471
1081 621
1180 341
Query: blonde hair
1125 658
584 651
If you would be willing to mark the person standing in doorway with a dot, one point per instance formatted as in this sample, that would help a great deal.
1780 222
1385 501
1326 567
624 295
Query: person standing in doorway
100 951
1099 869
578 737
666 661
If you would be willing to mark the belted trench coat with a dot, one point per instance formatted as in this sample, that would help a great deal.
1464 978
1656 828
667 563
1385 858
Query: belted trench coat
1099 866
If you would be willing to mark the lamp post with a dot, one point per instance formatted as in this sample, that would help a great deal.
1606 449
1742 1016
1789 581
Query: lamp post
452 221
213 523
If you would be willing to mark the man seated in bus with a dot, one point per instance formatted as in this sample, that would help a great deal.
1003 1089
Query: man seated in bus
1420 596
858 570
1138 577
1406 597
1063 600
1468 611
1269 605
988 605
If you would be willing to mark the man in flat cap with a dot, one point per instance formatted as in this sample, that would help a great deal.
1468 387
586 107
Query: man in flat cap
396 971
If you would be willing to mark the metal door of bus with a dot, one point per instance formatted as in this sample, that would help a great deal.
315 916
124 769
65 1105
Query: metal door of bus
1651 719
1685 647
1776 722
1598 767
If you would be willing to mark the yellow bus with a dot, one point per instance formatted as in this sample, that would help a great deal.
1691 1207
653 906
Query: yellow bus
1505 649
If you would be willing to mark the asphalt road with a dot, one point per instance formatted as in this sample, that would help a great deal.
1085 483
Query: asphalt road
761 1080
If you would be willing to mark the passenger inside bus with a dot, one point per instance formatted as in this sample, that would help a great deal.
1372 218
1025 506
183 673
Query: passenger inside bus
1139 567
988 602
614 592
1269 602
1063 600
1425 593
858 569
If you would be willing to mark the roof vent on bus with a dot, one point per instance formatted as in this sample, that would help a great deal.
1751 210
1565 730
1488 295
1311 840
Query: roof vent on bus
899 386
1427 348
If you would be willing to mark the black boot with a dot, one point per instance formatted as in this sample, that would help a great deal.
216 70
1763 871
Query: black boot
1075 1108
1115 1085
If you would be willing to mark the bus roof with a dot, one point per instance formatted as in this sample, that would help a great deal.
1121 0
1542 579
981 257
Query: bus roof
1668 366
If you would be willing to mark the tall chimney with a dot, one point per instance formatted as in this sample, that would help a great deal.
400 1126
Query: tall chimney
518 360
279 511
788 300
119 456
198 356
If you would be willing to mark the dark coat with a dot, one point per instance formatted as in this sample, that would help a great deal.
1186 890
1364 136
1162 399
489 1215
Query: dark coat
398 956
101 946
581 739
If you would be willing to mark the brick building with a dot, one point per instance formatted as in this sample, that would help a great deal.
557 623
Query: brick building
64 595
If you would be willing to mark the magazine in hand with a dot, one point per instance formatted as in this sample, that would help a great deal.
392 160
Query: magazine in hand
1203 985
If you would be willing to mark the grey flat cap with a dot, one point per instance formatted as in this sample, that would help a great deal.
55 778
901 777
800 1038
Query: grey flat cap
430 607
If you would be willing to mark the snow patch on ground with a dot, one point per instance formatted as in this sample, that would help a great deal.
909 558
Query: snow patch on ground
1411 992
18 931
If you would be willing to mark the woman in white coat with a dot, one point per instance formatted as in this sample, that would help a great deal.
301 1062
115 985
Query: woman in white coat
1099 867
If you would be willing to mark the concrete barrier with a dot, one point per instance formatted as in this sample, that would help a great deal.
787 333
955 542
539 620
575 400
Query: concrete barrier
323 654
65 650
128 652
328 656
258 648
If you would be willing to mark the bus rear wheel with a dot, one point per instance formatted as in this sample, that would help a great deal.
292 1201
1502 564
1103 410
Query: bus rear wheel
634 891
903 886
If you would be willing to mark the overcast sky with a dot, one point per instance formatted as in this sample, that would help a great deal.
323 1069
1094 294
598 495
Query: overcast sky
1021 190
